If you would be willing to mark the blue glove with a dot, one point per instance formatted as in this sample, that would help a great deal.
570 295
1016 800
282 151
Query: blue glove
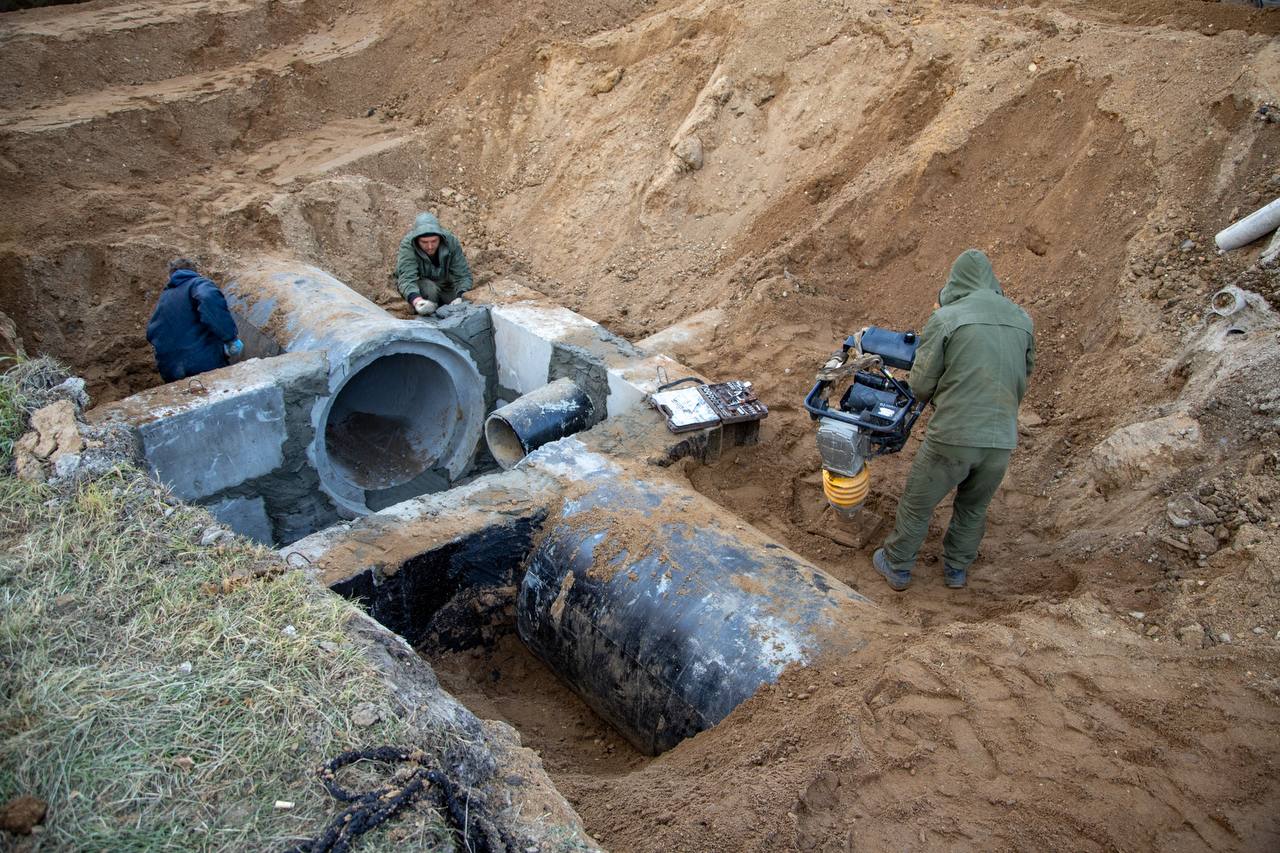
234 348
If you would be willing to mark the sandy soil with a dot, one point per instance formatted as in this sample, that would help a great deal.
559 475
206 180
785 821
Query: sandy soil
1109 681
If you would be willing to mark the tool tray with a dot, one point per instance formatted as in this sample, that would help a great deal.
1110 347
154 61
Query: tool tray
703 406
735 401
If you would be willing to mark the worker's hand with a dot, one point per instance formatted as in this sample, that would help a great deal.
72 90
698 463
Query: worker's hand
424 307
234 348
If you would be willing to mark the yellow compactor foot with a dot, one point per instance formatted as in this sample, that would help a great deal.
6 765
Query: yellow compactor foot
846 493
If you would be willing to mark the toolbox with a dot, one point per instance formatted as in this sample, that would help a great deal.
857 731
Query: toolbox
706 405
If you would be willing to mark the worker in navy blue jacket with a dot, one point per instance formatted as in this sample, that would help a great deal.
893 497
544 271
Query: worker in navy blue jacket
191 329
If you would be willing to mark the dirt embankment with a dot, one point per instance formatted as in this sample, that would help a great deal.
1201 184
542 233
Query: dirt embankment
1109 680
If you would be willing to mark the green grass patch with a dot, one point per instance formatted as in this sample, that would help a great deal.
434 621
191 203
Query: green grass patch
13 416
153 710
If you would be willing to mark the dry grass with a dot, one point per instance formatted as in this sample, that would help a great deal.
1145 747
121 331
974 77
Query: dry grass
24 387
148 711
13 414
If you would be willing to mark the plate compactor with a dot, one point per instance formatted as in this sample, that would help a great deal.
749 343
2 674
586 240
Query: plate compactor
875 414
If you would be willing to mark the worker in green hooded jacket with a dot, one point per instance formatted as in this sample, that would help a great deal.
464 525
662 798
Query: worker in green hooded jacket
431 269
975 357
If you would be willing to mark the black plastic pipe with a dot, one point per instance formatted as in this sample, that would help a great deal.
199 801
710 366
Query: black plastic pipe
662 610
551 412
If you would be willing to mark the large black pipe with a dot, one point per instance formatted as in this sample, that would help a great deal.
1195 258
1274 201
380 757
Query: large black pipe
543 415
664 611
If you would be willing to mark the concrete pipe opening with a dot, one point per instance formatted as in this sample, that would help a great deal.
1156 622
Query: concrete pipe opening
391 421
405 403
504 444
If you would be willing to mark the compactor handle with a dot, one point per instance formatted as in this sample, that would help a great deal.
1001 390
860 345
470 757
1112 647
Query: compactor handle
817 407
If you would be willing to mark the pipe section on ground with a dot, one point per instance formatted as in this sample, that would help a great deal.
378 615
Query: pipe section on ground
405 405
1243 232
1227 301
662 610
546 414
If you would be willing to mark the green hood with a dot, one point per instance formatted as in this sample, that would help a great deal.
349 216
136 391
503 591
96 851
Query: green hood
970 273
425 225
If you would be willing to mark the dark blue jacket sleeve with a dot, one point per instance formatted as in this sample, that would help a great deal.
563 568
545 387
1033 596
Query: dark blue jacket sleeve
213 311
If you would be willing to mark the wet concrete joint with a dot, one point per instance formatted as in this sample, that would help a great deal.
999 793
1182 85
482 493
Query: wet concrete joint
416 388
587 371
471 327
505 395
232 436
293 500
524 337
538 343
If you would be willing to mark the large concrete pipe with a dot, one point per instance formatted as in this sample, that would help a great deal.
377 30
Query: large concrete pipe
662 610
406 404
551 412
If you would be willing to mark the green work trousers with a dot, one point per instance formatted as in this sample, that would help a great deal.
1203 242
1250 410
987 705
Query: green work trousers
440 294
975 474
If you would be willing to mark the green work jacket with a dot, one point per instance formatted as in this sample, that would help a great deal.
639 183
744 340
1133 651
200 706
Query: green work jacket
448 269
975 357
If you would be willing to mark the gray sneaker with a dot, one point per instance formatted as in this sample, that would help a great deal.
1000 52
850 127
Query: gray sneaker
898 579
955 578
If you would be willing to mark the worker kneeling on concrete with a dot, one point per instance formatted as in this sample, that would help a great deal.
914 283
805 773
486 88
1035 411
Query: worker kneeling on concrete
976 354
191 329
431 269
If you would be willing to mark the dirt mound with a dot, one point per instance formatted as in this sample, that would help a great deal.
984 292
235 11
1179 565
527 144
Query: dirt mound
805 169
1056 729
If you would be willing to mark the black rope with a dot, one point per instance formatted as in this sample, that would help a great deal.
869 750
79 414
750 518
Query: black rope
667 385
369 809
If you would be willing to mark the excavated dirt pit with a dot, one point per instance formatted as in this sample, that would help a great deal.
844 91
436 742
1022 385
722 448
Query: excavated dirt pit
504 681
468 635
1111 678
